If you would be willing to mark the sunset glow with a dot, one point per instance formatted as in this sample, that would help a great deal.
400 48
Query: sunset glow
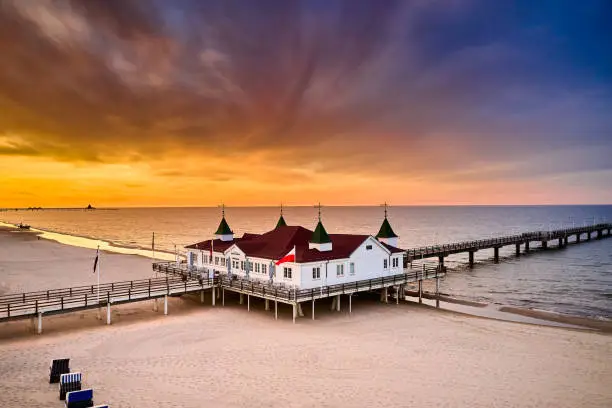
118 103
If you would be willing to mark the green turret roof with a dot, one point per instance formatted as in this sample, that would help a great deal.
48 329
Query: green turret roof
224 228
319 236
281 222
385 230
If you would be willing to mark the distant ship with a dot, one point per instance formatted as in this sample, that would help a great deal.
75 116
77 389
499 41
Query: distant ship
23 226
89 207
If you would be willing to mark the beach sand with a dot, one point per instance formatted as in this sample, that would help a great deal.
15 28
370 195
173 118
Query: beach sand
199 355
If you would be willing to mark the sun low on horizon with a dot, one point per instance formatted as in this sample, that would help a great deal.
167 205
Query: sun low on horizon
182 103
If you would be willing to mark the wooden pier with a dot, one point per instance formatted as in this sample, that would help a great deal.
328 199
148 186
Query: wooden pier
561 236
35 305
296 297
180 280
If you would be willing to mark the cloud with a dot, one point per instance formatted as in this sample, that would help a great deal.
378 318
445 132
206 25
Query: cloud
392 88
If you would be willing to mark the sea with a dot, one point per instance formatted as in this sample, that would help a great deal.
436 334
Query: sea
576 280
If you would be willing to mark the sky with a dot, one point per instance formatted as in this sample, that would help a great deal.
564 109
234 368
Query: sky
197 103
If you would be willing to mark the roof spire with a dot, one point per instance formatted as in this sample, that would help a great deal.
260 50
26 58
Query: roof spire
385 229
281 221
319 235
224 228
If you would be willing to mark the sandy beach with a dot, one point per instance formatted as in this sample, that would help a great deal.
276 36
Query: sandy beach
199 355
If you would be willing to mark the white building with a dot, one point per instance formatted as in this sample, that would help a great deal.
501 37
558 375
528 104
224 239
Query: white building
299 257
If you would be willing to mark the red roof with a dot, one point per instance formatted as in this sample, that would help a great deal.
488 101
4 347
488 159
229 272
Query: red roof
277 243
219 245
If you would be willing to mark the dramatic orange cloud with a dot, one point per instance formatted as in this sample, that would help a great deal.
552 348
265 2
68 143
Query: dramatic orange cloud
186 103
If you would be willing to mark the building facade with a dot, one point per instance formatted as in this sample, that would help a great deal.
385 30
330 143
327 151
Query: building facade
298 257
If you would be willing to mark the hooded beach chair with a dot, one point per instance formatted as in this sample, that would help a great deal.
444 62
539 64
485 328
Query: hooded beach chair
57 368
80 399
69 382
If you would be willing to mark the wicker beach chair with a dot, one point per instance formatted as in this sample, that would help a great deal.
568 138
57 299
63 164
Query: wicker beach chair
80 399
69 382
57 368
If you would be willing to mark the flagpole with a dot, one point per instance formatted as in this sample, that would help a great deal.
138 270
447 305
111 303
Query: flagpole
98 291
153 250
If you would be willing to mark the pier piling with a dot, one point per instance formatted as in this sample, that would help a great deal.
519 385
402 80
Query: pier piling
267 305
518 249
275 310
248 303
108 313
313 311
471 259
351 303
437 292
527 246
165 305
544 244
420 291
496 254
39 329
213 296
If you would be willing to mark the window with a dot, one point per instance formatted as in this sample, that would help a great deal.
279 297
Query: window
287 273
222 261
352 269
216 260
339 270
256 268
368 247
264 269
385 264
316 273
242 265
395 262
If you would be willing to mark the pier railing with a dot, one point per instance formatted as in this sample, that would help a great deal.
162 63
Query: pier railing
276 291
281 291
86 297
474 245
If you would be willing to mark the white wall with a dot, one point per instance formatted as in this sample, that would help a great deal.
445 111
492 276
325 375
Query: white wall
236 254
369 264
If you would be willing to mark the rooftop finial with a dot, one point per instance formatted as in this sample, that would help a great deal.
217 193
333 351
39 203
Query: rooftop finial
223 210
385 209
319 207
281 209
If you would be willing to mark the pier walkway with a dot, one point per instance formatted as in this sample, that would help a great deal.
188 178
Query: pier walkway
562 236
57 301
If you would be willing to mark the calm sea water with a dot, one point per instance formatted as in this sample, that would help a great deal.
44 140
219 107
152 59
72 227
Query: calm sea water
576 280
